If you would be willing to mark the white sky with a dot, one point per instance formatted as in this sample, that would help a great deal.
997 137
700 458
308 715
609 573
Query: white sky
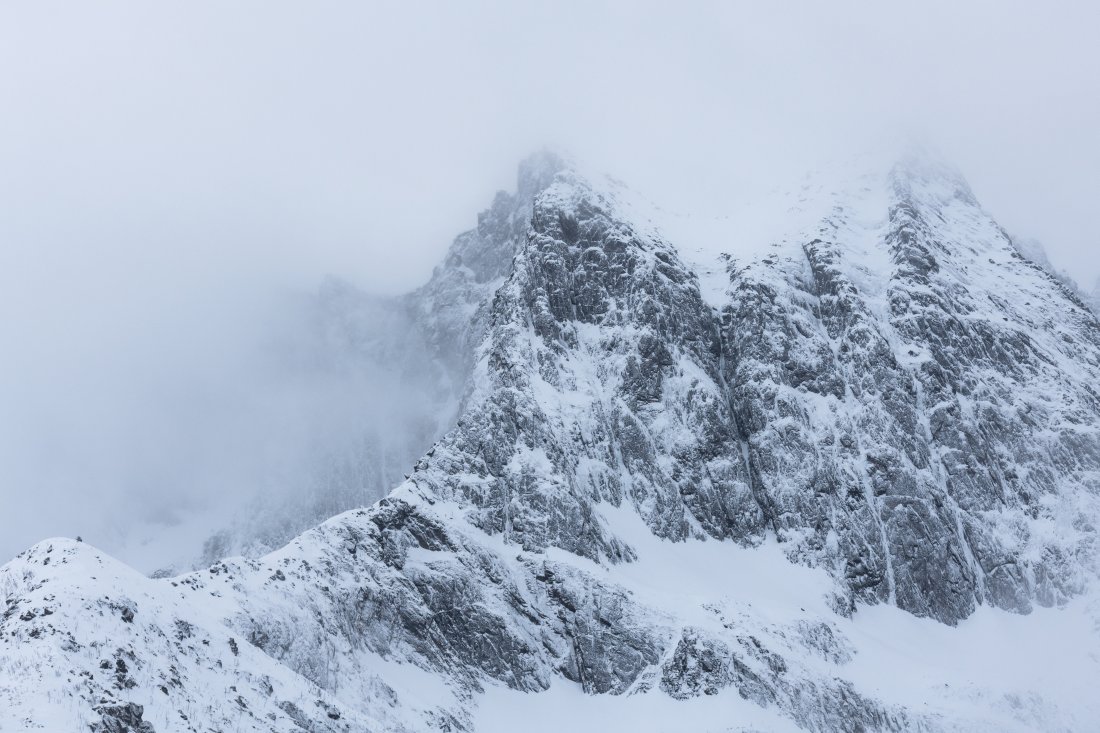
167 168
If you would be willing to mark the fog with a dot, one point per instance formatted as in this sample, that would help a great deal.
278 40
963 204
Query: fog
177 178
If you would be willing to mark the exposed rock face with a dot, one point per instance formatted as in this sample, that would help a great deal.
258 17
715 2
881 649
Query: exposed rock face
925 417
911 426
899 398
124 718
612 319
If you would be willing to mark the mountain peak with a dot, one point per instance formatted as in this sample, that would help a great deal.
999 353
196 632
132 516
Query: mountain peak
922 170
537 171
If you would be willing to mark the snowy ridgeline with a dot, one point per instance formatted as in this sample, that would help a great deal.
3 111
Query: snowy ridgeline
831 464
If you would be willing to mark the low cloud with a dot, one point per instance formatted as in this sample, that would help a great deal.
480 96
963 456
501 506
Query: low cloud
177 179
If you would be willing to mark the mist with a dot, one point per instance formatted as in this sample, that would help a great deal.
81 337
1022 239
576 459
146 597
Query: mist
177 180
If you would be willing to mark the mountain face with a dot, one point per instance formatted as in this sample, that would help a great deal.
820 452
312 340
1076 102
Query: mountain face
405 360
732 498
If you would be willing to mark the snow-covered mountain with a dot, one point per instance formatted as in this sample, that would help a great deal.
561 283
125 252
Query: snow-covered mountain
404 361
830 464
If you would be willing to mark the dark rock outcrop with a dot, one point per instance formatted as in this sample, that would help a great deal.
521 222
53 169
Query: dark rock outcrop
122 718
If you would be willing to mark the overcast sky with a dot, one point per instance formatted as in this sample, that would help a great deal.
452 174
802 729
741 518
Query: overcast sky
168 169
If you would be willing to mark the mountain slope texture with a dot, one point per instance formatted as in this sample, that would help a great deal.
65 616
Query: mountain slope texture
832 465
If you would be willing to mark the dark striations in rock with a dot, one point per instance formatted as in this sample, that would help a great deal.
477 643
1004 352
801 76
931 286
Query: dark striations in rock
452 310
893 432
597 310
912 424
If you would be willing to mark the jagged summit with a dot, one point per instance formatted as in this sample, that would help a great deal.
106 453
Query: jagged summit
656 485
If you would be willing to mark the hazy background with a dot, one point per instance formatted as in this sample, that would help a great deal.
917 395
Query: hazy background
174 175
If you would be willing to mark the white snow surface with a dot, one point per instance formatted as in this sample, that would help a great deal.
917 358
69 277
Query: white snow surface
995 671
